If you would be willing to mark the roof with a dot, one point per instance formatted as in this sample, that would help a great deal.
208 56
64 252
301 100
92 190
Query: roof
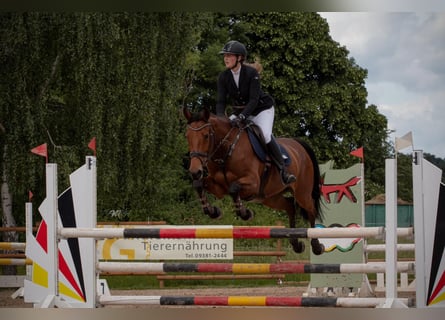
380 199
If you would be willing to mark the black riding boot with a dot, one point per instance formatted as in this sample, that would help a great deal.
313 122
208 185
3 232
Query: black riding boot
277 157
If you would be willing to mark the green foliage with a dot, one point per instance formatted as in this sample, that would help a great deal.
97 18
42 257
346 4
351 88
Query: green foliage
116 77
120 77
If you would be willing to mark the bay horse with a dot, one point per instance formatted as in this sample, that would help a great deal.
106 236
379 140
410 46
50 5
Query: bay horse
223 162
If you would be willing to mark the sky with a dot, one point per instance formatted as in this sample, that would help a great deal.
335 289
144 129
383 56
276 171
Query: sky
404 54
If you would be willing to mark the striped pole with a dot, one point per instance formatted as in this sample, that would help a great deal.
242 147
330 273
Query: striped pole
246 268
221 233
251 301
15 262
12 245
382 247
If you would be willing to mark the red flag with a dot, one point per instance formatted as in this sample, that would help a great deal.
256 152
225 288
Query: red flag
41 150
357 152
92 145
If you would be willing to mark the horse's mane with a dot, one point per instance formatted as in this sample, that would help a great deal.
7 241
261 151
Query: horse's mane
256 65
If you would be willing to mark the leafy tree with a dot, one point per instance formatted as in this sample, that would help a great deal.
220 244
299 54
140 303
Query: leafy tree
115 76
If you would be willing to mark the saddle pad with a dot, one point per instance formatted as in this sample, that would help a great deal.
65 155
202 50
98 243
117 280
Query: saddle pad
261 152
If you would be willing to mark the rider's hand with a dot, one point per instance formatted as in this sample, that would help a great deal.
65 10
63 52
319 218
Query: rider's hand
237 121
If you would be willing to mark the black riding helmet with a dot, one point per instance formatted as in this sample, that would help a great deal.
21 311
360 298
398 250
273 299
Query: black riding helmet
234 47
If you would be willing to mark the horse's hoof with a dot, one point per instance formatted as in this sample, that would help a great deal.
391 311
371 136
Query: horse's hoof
214 213
317 248
298 246
246 214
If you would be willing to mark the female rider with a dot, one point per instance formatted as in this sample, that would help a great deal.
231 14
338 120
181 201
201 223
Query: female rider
241 83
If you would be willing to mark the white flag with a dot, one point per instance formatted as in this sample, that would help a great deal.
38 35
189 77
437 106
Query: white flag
404 142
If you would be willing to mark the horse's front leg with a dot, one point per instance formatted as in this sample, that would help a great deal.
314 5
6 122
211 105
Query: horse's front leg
212 211
240 210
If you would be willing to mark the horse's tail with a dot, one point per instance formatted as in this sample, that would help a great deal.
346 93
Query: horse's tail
316 189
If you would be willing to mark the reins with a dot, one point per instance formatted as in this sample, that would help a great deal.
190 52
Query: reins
213 150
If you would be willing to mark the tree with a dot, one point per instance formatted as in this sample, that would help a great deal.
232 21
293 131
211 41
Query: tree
116 76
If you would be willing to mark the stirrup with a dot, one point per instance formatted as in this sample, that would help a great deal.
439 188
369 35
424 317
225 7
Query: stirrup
287 177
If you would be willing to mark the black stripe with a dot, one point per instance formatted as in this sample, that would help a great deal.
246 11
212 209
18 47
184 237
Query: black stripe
322 268
439 241
177 301
288 233
68 217
318 302
142 233
180 267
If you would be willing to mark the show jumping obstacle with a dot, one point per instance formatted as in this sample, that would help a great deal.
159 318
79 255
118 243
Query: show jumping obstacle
229 233
250 301
64 289
246 268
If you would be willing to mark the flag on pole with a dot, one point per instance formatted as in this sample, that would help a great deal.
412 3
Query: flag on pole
41 150
404 142
357 153
92 145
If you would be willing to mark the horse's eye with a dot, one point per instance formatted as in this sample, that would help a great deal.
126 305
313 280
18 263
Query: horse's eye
206 136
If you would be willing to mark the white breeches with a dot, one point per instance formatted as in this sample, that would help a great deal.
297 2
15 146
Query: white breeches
264 120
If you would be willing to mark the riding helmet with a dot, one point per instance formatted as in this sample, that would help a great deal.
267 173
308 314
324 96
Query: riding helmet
234 47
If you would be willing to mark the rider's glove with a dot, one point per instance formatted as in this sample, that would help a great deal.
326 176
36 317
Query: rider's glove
237 121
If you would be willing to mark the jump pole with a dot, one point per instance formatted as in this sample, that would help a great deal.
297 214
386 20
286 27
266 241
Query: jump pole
223 233
142 268
250 301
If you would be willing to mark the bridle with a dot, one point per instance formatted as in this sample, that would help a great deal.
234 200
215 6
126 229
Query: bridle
199 154
205 157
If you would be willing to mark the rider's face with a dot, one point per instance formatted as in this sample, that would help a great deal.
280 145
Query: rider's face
230 60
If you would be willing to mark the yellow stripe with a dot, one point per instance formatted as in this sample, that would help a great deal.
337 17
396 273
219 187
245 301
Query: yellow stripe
106 248
63 289
130 253
251 268
214 233
247 301
439 298
39 275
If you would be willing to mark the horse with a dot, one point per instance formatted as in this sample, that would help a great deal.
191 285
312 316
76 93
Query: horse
223 162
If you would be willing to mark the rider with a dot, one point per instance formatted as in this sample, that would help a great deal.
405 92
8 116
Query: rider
241 83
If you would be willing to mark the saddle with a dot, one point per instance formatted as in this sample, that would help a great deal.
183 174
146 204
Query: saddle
258 143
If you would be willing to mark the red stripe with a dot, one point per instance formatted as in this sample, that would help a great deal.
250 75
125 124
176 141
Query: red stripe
211 301
439 287
42 236
66 271
287 268
215 267
177 233
283 301
251 233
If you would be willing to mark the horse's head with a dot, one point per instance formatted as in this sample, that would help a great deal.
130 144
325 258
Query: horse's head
200 139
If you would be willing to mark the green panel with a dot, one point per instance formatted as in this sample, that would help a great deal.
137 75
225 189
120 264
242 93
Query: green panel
342 212
375 215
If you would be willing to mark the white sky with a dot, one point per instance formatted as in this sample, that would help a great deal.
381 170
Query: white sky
404 54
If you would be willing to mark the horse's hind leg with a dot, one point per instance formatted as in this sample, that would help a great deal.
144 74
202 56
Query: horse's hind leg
288 205
297 245
317 247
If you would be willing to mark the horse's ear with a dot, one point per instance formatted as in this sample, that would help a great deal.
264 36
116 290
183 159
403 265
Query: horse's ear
186 112
206 113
